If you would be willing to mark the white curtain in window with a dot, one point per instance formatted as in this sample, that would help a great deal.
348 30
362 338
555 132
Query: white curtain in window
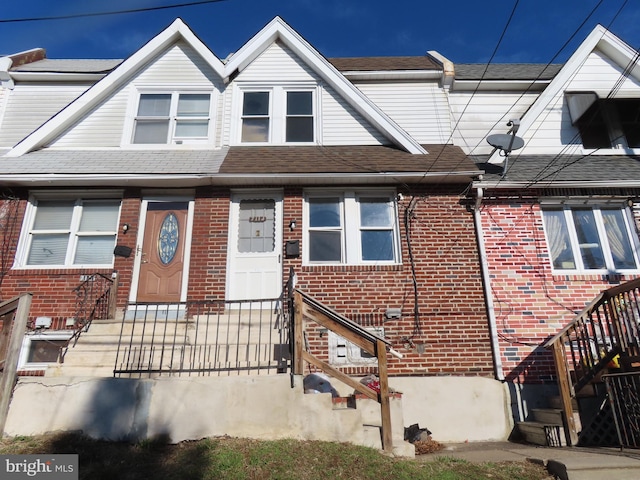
558 239
618 241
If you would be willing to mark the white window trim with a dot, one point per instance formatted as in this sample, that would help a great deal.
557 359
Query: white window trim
351 248
24 243
567 207
344 353
172 142
277 112
26 346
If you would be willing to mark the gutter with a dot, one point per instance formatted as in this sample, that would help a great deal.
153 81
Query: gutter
486 280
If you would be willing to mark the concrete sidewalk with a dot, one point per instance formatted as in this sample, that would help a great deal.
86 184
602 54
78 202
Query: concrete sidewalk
568 463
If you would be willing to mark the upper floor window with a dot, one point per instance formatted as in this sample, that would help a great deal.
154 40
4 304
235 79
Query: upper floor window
68 232
585 238
277 115
351 228
163 118
606 123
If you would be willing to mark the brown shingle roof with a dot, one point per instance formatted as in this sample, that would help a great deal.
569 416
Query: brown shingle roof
344 159
374 64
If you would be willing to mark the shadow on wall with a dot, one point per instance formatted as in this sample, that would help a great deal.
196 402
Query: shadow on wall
532 383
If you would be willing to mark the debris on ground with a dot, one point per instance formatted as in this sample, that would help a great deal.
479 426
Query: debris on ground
421 439
318 383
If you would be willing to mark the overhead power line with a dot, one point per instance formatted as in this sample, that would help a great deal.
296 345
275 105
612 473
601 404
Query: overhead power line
100 14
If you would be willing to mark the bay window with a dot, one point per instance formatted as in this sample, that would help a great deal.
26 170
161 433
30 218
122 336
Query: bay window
590 238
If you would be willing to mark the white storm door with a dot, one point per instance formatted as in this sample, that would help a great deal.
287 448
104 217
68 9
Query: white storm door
254 266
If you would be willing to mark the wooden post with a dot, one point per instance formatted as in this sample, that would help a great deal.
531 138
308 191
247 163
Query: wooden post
8 379
298 334
385 405
562 371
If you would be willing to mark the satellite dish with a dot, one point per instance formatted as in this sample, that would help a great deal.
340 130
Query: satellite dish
505 142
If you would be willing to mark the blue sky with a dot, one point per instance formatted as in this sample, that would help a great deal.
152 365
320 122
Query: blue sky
465 31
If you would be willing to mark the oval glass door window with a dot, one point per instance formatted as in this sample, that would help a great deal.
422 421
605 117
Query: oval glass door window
168 238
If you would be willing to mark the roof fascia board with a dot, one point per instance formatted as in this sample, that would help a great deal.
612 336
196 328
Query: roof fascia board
94 95
278 29
506 185
56 76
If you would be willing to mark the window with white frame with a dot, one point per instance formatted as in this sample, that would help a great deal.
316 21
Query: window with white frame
590 238
278 115
63 232
343 352
176 117
351 227
42 349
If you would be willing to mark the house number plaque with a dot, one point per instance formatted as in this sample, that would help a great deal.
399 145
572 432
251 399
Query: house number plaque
168 238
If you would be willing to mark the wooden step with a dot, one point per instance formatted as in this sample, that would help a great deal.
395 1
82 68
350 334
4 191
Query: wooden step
539 433
549 416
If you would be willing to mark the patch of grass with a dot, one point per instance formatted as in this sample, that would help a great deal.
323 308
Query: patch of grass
245 459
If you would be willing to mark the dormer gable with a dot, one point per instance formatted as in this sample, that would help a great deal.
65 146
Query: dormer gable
167 101
592 106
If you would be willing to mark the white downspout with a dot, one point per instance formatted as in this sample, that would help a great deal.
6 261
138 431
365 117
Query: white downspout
486 279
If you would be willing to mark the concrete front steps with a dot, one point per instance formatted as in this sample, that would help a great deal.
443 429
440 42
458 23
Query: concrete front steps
171 345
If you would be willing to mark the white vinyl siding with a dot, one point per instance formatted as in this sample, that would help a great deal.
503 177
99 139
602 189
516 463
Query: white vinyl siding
105 126
29 106
421 108
552 132
339 123
277 63
342 125
479 115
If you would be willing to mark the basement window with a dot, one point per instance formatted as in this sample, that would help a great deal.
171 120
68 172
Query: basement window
41 350
343 352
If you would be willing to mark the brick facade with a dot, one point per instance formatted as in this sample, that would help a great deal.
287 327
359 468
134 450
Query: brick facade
446 334
531 303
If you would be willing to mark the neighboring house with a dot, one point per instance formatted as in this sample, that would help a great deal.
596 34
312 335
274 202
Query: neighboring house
558 222
275 160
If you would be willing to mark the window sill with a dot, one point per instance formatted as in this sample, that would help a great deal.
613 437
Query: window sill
396 267
595 275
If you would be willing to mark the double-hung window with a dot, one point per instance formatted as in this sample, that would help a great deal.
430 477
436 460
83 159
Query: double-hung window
164 118
590 238
277 116
351 228
69 233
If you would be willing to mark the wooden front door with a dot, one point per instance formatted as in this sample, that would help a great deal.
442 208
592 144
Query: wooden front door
162 255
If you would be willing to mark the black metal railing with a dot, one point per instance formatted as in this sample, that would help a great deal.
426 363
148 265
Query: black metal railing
203 338
623 390
95 300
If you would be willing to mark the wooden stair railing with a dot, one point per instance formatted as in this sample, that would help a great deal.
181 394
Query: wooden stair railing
606 328
306 307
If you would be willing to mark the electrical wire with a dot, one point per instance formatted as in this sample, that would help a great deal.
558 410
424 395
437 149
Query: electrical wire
101 14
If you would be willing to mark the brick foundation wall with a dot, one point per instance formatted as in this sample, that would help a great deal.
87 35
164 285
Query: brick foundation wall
531 303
